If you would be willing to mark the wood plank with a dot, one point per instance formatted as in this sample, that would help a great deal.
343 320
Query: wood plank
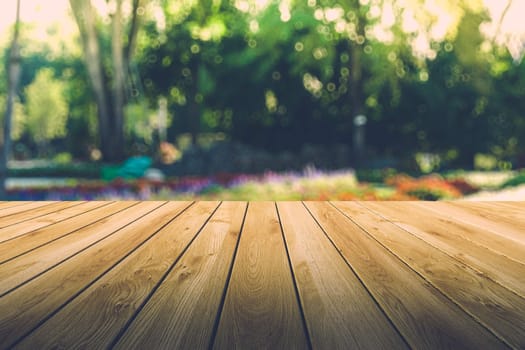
338 310
20 213
32 304
449 237
10 204
485 233
27 242
182 312
25 267
33 214
17 230
493 305
513 204
261 309
96 316
425 318
506 221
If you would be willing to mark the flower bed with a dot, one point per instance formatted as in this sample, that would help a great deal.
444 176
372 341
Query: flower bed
310 184
432 187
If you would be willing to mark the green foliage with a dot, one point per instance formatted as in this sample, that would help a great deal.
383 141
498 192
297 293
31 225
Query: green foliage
426 194
485 162
19 117
279 75
515 181
375 175
142 122
47 111
63 158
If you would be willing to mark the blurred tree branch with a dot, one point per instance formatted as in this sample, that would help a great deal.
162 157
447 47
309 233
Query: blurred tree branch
501 19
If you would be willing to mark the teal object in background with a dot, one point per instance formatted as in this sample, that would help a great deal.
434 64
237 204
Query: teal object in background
133 168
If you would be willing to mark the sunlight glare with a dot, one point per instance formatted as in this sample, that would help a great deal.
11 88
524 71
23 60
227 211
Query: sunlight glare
42 15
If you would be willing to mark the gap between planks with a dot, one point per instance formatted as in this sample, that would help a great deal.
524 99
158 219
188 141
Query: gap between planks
299 259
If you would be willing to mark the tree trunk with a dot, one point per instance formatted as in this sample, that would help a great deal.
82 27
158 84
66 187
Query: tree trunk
195 107
12 84
86 21
356 85
110 107
135 23
119 79
356 80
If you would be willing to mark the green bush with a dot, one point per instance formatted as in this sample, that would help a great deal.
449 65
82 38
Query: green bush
63 158
515 181
375 175
426 194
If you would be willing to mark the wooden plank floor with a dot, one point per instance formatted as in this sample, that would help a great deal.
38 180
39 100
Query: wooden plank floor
274 275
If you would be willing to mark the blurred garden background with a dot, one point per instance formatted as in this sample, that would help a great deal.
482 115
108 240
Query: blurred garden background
262 99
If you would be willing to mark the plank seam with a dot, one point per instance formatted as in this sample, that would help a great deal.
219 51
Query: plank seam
445 252
38 216
15 205
78 252
294 280
217 320
23 211
55 223
119 335
359 278
476 226
444 294
81 290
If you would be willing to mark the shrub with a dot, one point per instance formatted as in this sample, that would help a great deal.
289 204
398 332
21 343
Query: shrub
432 187
463 186
375 175
515 181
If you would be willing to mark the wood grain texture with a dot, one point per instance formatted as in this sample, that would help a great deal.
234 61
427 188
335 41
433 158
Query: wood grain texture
486 233
450 237
493 305
512 204
22 228
25 267
31 211
95 317
261 308
24 243
28 306
10 204
181 313
505 221
425 318
338 309
167 275
17 209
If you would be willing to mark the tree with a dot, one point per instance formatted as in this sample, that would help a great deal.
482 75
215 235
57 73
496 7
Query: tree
47 111
186 49
110 95
13 77
18 117
288 73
